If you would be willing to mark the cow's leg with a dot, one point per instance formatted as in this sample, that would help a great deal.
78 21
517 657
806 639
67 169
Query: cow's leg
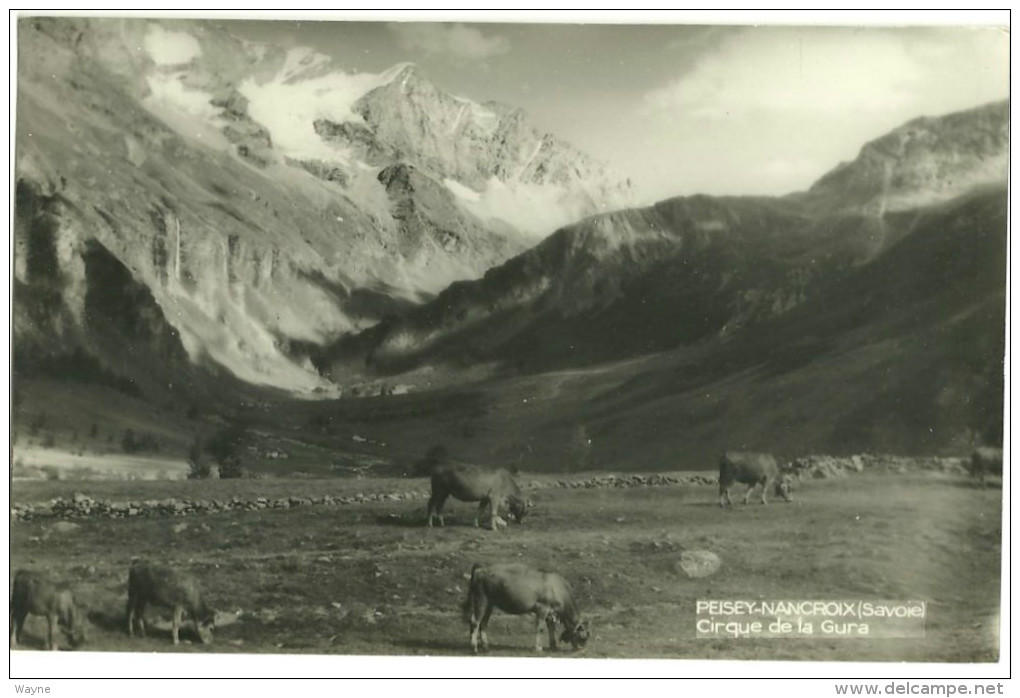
436 502
440 503
140 616
764 489
474 623
747 495
484 502
540 616
431 510
18 617
14 632
131 616
550 624
198 632
175 627
51 631
485 624
494 503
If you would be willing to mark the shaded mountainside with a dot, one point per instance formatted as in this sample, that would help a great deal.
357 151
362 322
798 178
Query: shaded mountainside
904 355
261 231
685 270
182 247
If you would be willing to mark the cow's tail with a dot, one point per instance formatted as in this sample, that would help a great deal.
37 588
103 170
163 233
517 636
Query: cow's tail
469 602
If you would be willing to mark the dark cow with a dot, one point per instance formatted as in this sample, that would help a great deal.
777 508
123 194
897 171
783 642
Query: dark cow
751 469
518 589
984 462
164 586
33 593
468 483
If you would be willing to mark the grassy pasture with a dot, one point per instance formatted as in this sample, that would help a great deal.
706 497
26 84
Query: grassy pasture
370 579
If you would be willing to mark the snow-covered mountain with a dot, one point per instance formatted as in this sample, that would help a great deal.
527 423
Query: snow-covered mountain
267 199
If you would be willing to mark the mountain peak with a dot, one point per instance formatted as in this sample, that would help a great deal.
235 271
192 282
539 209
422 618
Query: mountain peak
399 72
926 160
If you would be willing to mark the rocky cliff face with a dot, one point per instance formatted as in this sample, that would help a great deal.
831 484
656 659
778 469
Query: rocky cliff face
487 154
267 200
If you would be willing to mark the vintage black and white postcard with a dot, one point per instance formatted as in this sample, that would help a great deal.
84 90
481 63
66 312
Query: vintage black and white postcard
358 337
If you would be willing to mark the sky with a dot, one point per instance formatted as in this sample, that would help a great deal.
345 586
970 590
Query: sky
686 108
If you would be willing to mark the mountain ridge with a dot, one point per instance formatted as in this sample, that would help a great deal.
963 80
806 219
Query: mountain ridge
675 273
157 135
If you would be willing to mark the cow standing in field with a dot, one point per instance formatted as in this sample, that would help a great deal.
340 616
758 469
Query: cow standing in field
986 461
33 593
468 483
518 589
751 469
164 586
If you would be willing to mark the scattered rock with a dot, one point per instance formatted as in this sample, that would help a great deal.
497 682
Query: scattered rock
64 527
80 505
698 563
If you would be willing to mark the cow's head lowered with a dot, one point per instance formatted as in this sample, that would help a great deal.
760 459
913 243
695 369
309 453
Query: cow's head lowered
518 508
784 487
577 634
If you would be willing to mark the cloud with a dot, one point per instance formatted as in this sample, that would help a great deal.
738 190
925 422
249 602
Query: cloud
456 40
839 71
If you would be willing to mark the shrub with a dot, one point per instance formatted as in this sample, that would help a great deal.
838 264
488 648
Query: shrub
231 468
199 467
226 446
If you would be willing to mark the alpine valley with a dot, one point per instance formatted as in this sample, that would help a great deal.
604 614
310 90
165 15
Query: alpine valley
359 266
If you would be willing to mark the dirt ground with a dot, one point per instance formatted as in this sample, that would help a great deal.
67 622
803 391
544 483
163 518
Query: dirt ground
371 579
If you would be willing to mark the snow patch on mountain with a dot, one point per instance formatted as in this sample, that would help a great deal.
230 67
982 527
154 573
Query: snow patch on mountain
187 111
169 48
169 89
460 191
290 103
534 209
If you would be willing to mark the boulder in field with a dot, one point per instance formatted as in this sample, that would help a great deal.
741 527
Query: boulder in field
64 527
698 563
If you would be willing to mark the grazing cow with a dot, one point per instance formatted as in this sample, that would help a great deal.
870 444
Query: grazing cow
469 483
986 461
751 469
518 589
33 593
164 586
